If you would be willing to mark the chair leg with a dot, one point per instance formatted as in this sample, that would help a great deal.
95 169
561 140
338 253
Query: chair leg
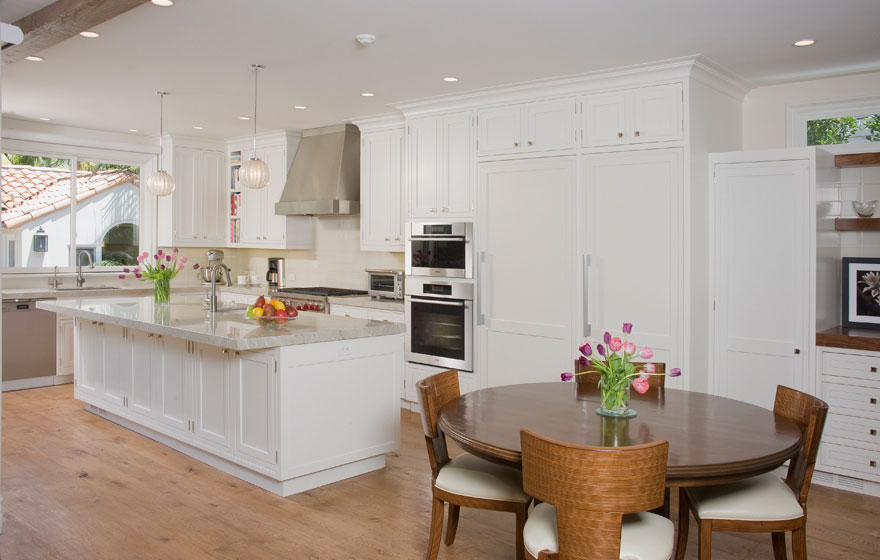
436 529
705 539
521 515
799 543
778 546
452 524
684 520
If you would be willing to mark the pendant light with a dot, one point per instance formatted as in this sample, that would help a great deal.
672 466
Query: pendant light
255 173
161 183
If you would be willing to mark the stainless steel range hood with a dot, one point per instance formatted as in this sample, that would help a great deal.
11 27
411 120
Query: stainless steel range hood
325 176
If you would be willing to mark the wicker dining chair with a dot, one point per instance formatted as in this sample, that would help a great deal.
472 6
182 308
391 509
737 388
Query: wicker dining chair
766 503
589 375
595 500
465 480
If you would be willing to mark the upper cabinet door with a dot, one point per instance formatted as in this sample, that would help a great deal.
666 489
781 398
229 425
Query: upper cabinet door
456 193
253 203
656 114
276 158
211 201
381 184
499 130
184 200
550 125
424 167
604 119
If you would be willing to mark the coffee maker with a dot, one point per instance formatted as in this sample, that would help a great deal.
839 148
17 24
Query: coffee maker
275 275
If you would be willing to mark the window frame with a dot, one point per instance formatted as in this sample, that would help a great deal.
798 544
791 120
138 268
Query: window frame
147 205
798 114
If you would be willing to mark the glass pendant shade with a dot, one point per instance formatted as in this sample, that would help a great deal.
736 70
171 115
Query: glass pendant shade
160 183
254 173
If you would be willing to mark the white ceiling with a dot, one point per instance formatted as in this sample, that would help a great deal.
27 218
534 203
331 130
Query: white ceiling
199 50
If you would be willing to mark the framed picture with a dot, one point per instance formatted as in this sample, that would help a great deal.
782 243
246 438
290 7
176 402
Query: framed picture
861 292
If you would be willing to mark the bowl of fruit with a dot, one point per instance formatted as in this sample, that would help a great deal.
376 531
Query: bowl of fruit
271 311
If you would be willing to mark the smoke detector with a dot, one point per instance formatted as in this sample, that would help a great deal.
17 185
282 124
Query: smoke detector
365 39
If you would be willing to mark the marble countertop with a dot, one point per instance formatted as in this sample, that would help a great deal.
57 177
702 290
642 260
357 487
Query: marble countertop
367 301
186 318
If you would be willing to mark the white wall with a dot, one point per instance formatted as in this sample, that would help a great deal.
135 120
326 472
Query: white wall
764 109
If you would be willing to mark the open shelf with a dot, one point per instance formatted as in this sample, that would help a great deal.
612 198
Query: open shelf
856 160
857 224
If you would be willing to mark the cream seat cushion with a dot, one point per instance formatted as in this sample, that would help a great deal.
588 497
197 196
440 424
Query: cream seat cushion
471 476
643 536
762 498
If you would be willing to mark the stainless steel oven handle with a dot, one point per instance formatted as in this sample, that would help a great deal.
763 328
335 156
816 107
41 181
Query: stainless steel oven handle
438 302
587 326
439 237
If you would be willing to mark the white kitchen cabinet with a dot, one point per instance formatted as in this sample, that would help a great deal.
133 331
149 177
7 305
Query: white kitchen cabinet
414 373
211 398
441 155
382 178
173 374
254 407
198 201
90 358
527 127
632 235
527 228
368 313
117 365
64 345
634 116
145 361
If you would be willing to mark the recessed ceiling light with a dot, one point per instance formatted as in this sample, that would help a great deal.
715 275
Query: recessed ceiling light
300 107
367 94
89 34
365 39
163 3
245 118
34 58
804 43
450 79
199 127
45 119
133 130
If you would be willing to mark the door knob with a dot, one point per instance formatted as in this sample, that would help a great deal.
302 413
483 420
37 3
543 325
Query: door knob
872 431
516 144
444 210
636 133
387 239
873 369
620 135
530 143
797 350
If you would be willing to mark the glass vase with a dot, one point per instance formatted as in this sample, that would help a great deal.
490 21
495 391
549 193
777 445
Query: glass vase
162 291
615 401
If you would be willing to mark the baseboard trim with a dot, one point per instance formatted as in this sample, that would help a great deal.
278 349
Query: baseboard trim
34 382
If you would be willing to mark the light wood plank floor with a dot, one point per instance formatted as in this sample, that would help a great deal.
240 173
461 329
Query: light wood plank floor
77 486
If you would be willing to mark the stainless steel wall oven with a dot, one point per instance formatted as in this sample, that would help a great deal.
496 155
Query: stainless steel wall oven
439 317
442 250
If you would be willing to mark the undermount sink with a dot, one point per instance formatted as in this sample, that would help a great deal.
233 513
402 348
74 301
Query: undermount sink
77 288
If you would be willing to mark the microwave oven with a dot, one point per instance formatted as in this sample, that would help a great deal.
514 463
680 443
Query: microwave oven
440 249
385 283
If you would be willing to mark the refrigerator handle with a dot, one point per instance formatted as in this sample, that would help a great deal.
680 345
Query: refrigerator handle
587 327
481 281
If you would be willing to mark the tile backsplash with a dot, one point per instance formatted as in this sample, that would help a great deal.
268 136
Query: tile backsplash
859 183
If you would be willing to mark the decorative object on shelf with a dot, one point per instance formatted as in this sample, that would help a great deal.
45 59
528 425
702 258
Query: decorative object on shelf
41 241
865 209
160 271
161 183
861 292
617 372
255 173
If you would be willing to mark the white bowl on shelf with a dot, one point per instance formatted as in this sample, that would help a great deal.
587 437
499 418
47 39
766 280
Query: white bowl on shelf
865 209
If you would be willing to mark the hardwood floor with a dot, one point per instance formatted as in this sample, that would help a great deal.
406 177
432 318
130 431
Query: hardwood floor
77 486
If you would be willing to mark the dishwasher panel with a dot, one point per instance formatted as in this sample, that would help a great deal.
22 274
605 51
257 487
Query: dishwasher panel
28 340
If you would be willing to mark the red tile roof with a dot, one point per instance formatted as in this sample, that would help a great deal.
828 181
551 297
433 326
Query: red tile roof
32 192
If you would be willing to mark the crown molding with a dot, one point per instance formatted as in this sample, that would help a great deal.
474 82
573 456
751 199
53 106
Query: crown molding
385 121
265 139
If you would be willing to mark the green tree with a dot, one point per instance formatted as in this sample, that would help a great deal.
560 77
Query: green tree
831 131
35 161
872 124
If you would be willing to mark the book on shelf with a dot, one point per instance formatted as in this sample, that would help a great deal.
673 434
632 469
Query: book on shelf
234 203
233 183
235 230
235 158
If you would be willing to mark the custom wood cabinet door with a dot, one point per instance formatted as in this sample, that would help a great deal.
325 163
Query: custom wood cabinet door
90 377
64 363
550 125
211 196
276 226
117 365
526 239
211 400
145 364
604 119
382 190
656 114
254 394
500 130
632 225
173 373
424 167
761 279
456 192
185 211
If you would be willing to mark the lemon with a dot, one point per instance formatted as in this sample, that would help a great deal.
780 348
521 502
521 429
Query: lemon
257 312
277 304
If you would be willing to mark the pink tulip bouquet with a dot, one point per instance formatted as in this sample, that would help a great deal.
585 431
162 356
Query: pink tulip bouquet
617 371
160 271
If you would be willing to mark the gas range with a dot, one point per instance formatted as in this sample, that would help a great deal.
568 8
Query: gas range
313 298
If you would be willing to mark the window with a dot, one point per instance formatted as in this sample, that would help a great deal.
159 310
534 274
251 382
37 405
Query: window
835 123
55 209
843 130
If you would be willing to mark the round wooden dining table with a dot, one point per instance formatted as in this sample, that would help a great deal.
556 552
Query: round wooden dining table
712 439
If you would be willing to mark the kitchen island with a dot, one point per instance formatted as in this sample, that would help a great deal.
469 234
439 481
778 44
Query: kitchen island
287 407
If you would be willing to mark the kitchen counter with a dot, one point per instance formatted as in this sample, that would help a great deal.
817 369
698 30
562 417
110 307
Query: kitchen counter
87 291
186 318
369 302
853 339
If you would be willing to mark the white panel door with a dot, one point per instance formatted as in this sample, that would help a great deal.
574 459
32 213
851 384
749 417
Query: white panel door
174 379
424 167
632 209
500 130
145 364
253 210
276 226
761 270
117 365
381 184
550 125
90 378
253 393
211 401
526 287
456 176
656 114
185 210
604 119
64 343
211 202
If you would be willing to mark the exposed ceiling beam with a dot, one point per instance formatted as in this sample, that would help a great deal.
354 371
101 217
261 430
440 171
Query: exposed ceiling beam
62 20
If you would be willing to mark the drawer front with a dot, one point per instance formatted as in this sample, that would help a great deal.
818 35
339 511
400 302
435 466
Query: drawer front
849 365
853 397
854 459
854 428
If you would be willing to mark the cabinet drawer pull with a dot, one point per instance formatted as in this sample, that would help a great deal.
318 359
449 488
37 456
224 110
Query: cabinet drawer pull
873 463
797 350
530 143
387 239
873 400
620 135
636 133
433 209
873 369
445 210
397 239
516 144
873 431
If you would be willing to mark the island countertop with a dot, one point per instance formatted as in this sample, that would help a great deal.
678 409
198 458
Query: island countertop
186 318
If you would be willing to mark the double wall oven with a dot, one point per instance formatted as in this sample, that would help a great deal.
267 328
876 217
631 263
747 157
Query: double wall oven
439 318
